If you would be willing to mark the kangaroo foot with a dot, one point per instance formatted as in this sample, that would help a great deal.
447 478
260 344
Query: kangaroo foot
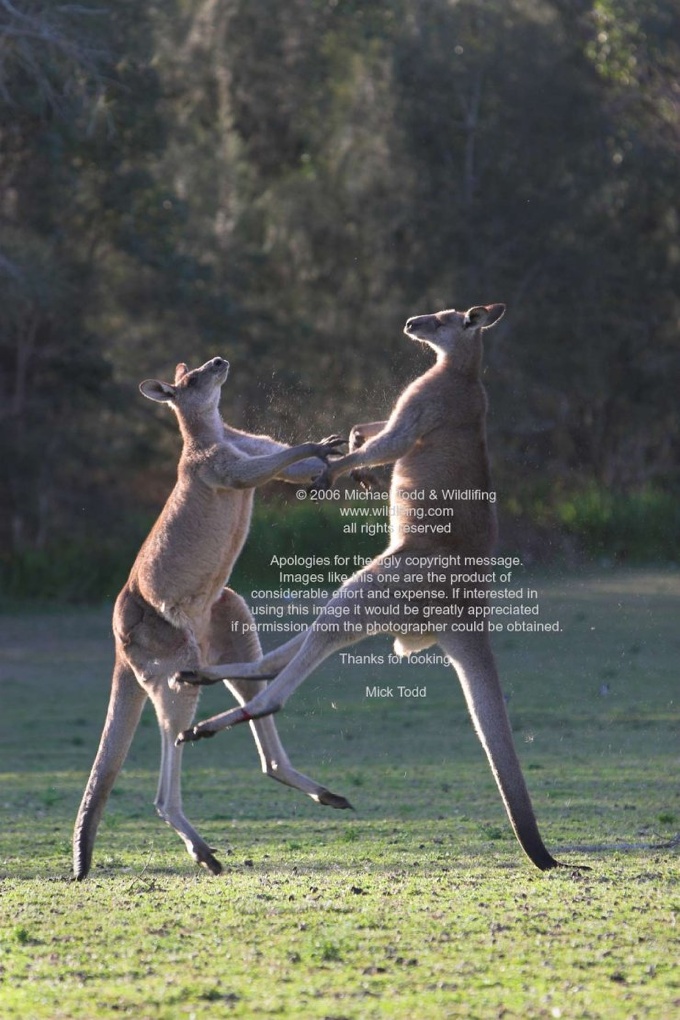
333 800
207 860
193 734
196 679
190 676
209 727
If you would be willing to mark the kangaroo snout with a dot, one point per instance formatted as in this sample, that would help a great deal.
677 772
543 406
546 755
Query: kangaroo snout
417 322
220 368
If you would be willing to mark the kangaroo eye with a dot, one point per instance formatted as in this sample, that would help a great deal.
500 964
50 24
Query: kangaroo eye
191 381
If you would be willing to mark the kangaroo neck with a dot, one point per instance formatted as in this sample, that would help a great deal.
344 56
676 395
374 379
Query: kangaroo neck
459 363
200 431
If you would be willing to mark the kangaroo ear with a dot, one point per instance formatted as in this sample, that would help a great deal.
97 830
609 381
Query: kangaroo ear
180 371
154 389
484 316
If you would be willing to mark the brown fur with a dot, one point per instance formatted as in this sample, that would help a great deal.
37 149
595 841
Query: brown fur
436 435
174 612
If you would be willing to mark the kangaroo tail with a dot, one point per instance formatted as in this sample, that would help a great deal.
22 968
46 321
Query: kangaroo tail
125 708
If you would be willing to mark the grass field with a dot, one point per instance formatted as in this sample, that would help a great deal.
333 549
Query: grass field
419 904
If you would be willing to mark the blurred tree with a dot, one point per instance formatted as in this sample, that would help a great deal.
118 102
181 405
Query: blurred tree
87 239
609 352
286 183
49 372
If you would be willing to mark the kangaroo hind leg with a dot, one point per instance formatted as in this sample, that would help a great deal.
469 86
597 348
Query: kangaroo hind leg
240 643
125 708
157 650
175 709
323 637
474 663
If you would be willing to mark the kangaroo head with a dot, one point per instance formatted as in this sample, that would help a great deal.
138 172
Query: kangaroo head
451 332
192 392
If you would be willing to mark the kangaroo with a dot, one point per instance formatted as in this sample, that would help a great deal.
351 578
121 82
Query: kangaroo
436 435
174 612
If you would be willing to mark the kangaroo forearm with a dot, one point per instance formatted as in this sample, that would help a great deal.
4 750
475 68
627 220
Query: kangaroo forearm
252 445
256 471
384 448
303 472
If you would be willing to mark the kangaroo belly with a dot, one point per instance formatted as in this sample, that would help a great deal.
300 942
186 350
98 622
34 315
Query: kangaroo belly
441 493
189 555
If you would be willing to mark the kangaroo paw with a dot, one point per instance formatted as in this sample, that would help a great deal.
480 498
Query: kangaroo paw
330 443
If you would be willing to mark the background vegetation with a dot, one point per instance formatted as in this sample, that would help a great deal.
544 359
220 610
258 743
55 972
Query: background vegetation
285 184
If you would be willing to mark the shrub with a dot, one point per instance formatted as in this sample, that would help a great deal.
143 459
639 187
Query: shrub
634 527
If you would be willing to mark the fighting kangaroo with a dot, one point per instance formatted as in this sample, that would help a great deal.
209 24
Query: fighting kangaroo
174 612
436 435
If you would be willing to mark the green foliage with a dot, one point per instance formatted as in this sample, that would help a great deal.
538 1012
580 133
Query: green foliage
628 528
635 527
286 183
77 572
299 529
94 567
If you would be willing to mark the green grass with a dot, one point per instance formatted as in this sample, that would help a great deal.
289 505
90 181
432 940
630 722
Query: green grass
419 904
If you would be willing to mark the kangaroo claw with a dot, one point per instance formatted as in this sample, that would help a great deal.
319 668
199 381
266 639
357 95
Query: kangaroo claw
329 445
